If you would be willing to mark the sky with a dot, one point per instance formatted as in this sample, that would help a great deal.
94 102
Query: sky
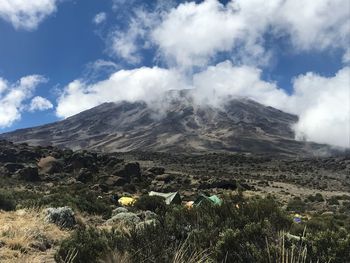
61 57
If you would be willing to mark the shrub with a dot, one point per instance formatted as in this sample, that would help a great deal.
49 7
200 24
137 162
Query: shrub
296 205
80 199
7 202
152 203
240 230
89 245
333 201
315 198
329 246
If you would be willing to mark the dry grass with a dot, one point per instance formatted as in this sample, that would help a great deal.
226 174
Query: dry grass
26 237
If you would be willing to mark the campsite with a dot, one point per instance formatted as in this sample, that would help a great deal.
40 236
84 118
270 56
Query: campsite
135 207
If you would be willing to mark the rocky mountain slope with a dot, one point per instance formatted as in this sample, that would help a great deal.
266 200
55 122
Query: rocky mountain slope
176 123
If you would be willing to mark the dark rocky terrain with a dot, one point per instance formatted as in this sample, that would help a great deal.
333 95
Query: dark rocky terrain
175 124
40 167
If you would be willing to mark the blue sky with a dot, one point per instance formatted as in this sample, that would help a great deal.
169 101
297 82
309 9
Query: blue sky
135 39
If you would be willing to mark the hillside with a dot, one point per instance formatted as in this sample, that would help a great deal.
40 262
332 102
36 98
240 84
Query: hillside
176 123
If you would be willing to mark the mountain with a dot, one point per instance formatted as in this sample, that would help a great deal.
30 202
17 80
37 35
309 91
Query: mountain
176 123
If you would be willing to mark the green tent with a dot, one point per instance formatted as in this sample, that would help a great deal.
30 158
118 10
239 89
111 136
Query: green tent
170 198
214 199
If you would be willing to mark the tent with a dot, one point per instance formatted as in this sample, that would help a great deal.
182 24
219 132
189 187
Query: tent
214 199
170 198
126 201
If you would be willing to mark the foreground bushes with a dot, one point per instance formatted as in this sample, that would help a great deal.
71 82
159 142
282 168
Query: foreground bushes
87 245
79 198
237 231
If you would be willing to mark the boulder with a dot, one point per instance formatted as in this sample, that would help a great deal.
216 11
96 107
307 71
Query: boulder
85 175
113 161
156 170
133 169
116 181
28 156
99 188
80 160
13 167
8 155
124 217
165 177
218 183
129 170
50 165
61 216
30 174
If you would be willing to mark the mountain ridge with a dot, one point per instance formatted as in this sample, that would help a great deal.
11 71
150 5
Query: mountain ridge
175 123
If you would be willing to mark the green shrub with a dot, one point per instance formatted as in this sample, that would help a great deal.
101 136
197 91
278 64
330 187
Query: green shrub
89 245
315 198
239 230
83 200
7 202
296 205
333 201
152 203
329 246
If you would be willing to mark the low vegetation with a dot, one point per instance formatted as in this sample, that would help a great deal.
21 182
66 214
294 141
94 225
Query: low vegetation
240 230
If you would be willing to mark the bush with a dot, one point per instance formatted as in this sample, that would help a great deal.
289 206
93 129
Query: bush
296 205
89 245
315 198
329 246
80 199
7 202
333 201
240 230
151 203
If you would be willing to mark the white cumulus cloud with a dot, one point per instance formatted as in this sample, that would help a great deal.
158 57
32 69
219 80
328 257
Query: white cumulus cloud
128 44
323 106
26 14
40 104
99 18
14 96
193 33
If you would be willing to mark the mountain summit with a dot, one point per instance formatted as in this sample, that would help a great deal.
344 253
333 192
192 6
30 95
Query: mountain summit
176 123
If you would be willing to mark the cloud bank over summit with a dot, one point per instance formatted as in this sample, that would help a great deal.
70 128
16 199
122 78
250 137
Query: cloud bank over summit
190 39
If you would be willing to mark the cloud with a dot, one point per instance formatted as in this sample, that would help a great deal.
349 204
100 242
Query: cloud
217 83
322 103
128 44
14 96
40 104
193 34
131 85
99 18
323 106
24 14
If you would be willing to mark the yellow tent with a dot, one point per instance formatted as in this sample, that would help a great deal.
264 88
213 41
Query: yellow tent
126 201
